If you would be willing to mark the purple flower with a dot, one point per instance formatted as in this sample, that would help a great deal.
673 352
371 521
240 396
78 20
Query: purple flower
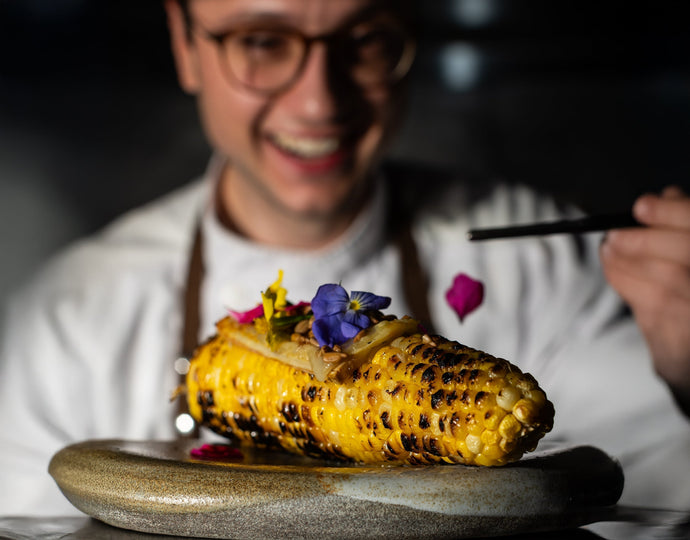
465 295
339 317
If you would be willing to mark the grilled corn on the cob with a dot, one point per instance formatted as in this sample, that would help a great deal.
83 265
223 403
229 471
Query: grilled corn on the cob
397 396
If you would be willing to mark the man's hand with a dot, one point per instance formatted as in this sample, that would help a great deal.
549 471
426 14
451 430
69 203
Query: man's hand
650 269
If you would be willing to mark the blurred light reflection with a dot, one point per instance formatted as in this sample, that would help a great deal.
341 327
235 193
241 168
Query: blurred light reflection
460 66
474 12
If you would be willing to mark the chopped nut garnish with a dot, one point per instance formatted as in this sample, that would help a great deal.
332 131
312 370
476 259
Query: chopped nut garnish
333 356
427 339
298 338
302 327
359 335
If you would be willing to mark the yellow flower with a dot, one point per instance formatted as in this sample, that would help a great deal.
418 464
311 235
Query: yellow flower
274 299
274 302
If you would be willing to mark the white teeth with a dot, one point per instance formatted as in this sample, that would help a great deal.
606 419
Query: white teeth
306 146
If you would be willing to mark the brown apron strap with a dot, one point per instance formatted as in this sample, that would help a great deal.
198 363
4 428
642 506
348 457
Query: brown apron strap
192 294
191 321
415 281
404 199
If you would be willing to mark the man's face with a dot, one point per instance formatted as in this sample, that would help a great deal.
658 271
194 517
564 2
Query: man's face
308 148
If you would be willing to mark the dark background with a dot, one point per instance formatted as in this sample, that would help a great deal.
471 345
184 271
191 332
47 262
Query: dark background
588 100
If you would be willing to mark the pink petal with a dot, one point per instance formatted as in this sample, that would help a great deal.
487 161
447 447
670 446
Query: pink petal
244 317
215 452
465 295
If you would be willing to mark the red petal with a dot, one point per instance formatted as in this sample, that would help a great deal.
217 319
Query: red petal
244 317
290 309
215 452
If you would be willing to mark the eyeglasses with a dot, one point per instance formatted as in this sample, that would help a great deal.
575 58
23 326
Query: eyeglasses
268 58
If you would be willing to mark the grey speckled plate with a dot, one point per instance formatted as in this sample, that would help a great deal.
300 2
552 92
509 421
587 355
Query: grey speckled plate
156 487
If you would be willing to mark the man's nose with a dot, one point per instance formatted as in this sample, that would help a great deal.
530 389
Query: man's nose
312 94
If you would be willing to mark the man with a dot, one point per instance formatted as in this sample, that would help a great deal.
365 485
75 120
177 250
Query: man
298 99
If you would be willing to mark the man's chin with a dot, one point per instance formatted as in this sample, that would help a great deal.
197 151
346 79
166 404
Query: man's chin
325 205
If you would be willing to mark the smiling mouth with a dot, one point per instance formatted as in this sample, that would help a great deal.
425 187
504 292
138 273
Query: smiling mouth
306 147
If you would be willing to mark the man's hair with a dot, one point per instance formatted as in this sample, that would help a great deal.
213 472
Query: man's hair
406 9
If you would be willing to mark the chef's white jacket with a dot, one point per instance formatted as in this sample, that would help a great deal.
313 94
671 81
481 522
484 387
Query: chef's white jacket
89 345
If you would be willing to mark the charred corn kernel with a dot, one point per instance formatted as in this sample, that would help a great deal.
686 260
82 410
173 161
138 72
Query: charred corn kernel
492 419
509 427
414 400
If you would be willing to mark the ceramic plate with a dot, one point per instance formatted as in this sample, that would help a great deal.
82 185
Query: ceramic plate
154 486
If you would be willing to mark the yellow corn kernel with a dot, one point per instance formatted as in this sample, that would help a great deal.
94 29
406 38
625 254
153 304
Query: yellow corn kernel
509 427
490 438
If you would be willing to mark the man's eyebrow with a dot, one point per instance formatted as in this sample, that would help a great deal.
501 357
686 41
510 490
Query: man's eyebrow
257 17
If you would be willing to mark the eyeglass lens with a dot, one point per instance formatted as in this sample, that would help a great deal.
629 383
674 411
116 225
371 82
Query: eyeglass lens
266 59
